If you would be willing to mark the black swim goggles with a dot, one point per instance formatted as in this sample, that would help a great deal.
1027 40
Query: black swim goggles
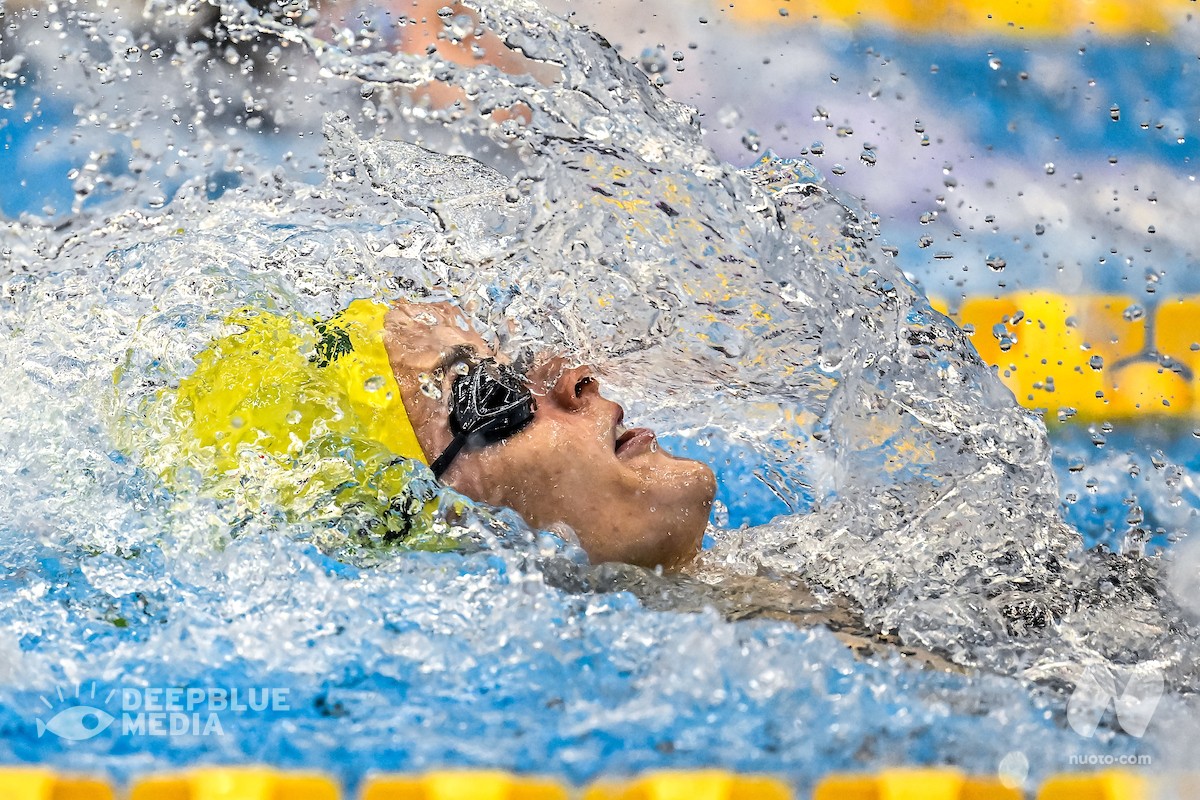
489 403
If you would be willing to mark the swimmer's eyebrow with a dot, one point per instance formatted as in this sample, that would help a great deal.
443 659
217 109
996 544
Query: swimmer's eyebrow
460 352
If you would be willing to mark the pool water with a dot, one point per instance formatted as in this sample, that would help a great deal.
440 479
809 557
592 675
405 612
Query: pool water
752 314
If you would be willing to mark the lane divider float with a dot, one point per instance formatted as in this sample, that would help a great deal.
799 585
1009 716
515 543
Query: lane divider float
264 783
1093 357
924 18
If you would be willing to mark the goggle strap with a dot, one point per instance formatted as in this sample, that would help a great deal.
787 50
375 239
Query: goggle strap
443 461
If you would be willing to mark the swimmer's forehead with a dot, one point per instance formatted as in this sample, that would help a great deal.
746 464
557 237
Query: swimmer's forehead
435 336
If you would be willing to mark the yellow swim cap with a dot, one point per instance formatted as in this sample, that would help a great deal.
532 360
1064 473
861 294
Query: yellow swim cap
283 381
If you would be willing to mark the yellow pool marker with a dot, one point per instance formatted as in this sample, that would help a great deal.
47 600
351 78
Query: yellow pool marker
236 783
1030 18
690 785
1095 357
1112 784
914 784
464 785
36 783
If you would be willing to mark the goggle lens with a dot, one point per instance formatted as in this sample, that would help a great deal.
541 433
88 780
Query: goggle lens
488 404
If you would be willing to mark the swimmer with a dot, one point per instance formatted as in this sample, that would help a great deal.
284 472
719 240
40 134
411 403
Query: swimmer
279 389
559 454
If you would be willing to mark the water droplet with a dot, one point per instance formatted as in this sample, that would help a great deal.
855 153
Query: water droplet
1096 362
817 148
1049 167
996 263
995 63
293 417
429 386
1039 229
445 12
1134 312
924 241
1114 113
653 61
820 113
838 169
374 383
751 141
867 157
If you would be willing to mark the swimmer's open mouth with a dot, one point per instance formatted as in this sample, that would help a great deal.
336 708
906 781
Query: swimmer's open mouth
631 441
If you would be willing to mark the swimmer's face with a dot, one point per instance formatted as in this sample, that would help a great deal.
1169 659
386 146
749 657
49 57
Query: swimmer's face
625 497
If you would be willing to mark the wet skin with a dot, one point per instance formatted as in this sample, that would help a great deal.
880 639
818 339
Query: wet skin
625 498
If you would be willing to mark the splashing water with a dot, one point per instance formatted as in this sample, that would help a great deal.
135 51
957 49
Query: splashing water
282 165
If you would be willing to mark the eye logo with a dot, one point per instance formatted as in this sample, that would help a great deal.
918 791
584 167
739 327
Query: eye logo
76 722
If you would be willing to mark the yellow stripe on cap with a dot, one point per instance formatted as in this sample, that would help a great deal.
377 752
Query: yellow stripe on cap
281 381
